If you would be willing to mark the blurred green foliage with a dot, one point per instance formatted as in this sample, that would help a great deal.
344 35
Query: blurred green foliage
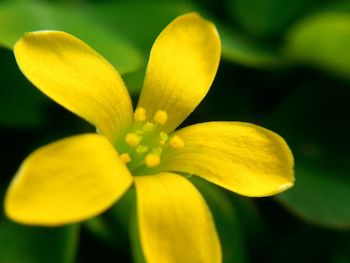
285 65
17 18
28 244
322 40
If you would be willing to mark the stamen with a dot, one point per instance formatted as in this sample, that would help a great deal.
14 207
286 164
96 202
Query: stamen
152 160
147 139
125 157
157 151
132 139
160 117
148 127
140 114
176 142
163 138
141 149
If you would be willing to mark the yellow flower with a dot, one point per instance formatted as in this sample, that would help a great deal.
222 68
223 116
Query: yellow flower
80 177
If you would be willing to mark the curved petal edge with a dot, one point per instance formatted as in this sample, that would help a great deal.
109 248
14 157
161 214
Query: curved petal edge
175 223
66 182
181 68
74 75
242 157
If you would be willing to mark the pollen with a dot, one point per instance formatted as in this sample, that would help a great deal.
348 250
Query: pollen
140 114
160 117
176 142
132 139
152 160
125 157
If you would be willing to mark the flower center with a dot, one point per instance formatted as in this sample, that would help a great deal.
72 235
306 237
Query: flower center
143 144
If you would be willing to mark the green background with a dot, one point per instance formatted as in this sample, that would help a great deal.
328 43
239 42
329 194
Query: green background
285 66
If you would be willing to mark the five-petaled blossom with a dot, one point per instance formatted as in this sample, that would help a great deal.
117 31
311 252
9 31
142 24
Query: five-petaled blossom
81 176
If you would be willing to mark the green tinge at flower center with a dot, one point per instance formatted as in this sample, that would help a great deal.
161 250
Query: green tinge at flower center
143 145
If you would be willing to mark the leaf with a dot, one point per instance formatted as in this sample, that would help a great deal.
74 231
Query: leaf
144 20
137 252
134 81
20 103
265 18
321 196
24 244
125 213
241 50
16 18
314 121
118 227
322 40
226 221
150 18
98 227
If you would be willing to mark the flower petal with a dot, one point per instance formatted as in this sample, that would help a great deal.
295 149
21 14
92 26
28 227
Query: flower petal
67 181
174 221
75 76
182 66
241 157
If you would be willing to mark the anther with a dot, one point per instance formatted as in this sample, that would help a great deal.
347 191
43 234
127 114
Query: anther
176 142
132 139
152 160
125 157
141 149
163 138
148 127
140 114
160 117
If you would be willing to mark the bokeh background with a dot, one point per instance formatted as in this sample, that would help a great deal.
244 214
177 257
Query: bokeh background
285 65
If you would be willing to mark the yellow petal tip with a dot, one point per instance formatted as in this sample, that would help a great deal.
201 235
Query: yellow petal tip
284 187
66 182
72 66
